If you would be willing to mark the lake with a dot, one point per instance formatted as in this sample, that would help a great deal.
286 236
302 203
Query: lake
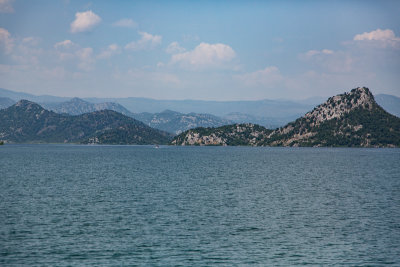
69 205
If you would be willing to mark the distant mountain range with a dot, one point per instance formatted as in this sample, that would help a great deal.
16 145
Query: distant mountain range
351 119
170 121
77 106
390 103
5 102
271 113
176 116
28 122
175 122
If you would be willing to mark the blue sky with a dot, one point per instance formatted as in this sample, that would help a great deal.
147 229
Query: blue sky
213 50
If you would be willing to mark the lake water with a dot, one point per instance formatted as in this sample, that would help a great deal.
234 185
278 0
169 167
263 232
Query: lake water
198 206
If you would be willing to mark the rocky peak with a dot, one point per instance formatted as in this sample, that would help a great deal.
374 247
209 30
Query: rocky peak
337 106
23 103
27 105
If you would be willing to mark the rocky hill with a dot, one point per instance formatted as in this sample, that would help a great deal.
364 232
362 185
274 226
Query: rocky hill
230 135
168 120
28 122
129 134
349 119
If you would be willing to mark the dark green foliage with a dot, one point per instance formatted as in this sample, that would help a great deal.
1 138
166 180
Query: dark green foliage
27 122
358 128
365 125
129 134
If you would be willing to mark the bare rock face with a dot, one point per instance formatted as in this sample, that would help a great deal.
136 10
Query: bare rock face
336 107
341 121
339 105
236 134
349 119
197 139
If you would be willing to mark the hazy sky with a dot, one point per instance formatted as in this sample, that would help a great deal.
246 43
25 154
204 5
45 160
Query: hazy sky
219 50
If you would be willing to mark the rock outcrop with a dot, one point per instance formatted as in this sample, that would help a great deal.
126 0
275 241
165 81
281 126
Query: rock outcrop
246 134
350 119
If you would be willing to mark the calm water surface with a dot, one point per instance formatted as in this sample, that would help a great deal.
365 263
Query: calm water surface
64 205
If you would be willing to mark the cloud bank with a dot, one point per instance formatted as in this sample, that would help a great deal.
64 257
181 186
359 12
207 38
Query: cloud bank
147 41
384 37
205 55
6 42
174 48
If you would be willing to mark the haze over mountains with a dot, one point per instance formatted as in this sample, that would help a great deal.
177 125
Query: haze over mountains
176 122
77 106
5 102
270 113
350 119
160 113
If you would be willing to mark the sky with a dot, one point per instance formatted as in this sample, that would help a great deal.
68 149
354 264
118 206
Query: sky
208 50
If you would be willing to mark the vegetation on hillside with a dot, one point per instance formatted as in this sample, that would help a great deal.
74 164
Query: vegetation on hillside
28 122
352 119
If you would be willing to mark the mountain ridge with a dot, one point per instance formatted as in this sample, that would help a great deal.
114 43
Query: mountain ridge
78 106
349 119
28 122
268 113
176 122
167 120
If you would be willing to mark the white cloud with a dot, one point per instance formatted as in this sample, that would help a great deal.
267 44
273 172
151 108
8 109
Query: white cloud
332 61
385 37
375 35
85 56
128 23
64 44
174 48
26 51
66 49
71 53
148 41
205 55
32 41
111 50
6 6
84 21
6 42
318 52
268 76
